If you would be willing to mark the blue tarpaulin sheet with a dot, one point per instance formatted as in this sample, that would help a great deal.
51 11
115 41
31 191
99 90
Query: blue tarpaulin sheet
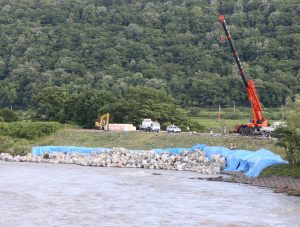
249 162
39 150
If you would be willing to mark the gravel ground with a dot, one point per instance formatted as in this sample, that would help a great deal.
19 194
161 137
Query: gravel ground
287 185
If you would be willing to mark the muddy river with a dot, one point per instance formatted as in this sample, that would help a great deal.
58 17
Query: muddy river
69 195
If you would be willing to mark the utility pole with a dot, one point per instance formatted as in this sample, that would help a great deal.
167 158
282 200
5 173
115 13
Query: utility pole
219 114
234 107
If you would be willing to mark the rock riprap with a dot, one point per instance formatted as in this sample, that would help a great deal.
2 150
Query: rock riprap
119 157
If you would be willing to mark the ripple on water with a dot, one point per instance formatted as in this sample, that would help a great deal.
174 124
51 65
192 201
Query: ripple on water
68 195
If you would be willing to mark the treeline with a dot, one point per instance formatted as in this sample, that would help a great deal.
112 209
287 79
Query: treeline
110 46
54 104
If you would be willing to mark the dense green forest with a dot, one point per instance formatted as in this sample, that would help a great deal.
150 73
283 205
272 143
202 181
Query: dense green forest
72 48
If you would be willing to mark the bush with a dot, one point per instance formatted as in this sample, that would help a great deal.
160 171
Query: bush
46 156
289 139
27 129
195 126
8 115
14 146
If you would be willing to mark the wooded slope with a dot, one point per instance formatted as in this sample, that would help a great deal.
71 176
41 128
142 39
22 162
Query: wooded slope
172 45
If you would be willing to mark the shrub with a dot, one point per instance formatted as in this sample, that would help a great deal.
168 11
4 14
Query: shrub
14 146
289 139
8 115
28 129
46 156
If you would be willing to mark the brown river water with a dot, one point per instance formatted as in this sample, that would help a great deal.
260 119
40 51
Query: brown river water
33 194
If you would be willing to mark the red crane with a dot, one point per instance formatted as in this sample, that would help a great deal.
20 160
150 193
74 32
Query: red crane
258 121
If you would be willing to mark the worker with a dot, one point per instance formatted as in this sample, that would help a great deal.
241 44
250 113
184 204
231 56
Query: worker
211 131
232 146
220 130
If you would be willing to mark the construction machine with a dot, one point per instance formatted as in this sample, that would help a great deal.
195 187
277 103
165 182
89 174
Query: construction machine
255 127
103 122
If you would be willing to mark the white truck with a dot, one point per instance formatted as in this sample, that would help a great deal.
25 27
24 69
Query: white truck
150 126
269 129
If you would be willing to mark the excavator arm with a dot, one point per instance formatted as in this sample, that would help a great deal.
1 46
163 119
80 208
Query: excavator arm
103 121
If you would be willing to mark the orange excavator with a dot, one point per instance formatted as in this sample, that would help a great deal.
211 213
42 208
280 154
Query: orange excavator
258 122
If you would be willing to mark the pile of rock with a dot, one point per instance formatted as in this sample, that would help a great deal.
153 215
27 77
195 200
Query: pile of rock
119 157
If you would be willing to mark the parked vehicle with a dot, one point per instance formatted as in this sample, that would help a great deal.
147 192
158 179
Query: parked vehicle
173 128
150 126
267 130
155 126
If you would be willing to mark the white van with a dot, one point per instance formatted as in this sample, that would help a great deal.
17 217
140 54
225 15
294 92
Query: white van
149 125
155 126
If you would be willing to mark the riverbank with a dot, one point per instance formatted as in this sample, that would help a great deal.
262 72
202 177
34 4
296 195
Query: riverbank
135 141
186 161
279 184
194 161
150 140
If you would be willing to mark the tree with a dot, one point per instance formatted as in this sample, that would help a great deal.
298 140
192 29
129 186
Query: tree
293 116
86 107
144 102
50 103
8 93
76 44
289 137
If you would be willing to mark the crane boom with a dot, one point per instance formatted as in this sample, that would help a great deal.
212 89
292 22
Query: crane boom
233 49
258 120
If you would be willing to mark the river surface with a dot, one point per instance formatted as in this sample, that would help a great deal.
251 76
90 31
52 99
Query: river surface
33 194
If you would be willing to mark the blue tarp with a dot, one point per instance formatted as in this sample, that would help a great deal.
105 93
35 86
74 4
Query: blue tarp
66 149
249 162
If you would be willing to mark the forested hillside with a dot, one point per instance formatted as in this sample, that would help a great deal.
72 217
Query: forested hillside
69 47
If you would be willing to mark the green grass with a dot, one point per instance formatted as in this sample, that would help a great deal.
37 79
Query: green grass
282 170
133 140
15 145
144 140
22 146
237 113
215 124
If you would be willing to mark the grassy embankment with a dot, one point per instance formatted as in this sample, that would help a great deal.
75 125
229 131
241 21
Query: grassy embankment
144 140
207 117
282 170
70 136
131 140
